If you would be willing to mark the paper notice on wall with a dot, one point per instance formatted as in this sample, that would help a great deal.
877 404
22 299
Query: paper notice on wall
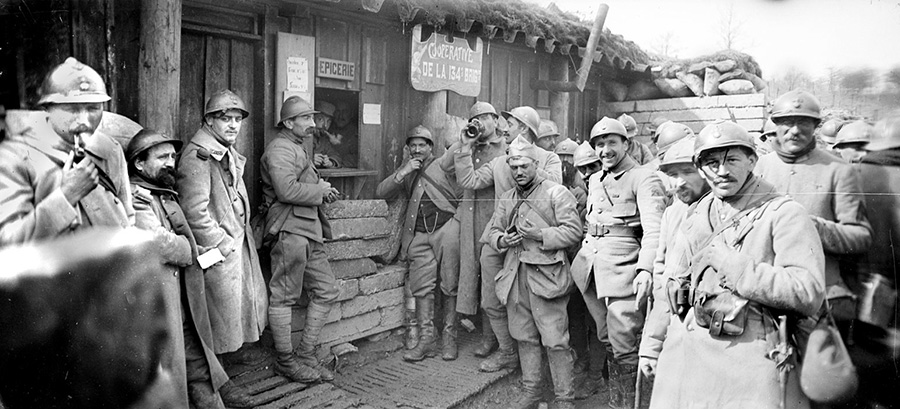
297 74
372 114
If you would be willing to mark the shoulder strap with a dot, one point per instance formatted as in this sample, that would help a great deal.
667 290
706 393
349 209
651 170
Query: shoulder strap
441 189
734 219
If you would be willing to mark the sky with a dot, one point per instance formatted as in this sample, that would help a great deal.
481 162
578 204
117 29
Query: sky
811 35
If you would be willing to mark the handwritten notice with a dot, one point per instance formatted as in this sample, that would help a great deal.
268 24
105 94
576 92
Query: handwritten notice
372 114
444 63
297 74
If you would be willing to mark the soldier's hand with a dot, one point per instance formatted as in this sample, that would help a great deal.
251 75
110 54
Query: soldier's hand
642 285
332 196
335 139
78 179
530 231
647 366
411 166
510 240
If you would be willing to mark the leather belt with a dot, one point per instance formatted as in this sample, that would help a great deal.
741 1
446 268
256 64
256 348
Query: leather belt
614 230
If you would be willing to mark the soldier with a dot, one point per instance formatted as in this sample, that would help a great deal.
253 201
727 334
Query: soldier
474 212
755 255
216 206
429 239
669 133
566 150
533 225
640 152
547 135
851 139
825 185
522 121
64 177
767 137
828 133
345 129
612 269
678 165
189 356
586 161
297 227
325 155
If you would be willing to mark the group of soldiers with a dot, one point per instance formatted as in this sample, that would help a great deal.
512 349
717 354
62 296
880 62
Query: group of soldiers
700 267
696 266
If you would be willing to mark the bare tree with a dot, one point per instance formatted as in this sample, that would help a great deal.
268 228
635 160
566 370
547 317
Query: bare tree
665 45
856 81
833 79
730 27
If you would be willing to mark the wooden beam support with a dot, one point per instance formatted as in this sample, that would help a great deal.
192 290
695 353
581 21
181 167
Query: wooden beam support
559 101
159 64
435 114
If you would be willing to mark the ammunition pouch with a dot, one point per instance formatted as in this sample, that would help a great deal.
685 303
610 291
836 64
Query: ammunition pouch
678 295
723 313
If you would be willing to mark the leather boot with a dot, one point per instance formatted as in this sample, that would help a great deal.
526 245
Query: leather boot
506 356
286 364
235 397
202 396
488 339
562 370
412 326
316 315
425 347
449 350
592 381
530 359
621 385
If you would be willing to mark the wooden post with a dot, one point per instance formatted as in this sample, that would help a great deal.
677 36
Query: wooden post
559 101
159 66
435 114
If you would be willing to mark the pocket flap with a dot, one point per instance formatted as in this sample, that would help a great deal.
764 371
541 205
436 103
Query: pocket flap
540 258
623 210
306 212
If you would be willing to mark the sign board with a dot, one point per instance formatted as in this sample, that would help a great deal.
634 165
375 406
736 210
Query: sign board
342 70
293 75
444 63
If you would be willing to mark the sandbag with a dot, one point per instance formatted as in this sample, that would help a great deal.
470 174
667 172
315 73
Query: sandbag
725 65
736 74
643 90
711 82
758 83
699 68
736 87
693 82
673 87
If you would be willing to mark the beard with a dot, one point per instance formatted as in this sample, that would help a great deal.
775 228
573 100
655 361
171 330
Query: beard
165 177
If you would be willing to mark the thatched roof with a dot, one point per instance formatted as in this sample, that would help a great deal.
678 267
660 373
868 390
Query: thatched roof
547 29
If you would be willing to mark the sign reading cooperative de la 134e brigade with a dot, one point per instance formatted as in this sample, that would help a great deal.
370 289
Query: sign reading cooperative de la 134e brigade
442 63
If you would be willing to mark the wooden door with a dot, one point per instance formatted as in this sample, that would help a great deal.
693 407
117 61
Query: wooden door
210 63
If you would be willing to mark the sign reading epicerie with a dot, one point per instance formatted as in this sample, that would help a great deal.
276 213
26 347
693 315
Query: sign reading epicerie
442 63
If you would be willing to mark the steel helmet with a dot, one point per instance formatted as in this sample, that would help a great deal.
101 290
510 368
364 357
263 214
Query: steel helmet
656 124
482 107
768 129
566 147
721 134
73 83
295 106
630 125
585 154
887 134
420 132
669 133
606 126
829 130
854 132
325 107
224 100
682 151
146 139
796 103
547 128
526 115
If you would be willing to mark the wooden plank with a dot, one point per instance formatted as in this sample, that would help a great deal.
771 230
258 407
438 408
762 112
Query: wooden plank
217 74
708 114
543 72
558 70
159 64
375 57
125 56
513 83
752 125
218 32
89 34
221 18
689 103
499 75
192 93
243 82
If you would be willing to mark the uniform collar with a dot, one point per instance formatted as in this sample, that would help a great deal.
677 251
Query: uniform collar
624 165
139 180
205 139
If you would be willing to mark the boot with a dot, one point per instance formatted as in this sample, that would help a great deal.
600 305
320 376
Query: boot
449 350
412 327
425 347
286 364
235 397
592 381
247 355
202 396
316 315
506 356
621 385
530 359
488 339
562 370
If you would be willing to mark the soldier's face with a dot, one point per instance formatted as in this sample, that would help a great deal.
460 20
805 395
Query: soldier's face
611 148
795 133
227 126
301 125
689 185
419 148
523 169
515 128
589 169
726 170
71 120
490 125
547 143
159 166
322 121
